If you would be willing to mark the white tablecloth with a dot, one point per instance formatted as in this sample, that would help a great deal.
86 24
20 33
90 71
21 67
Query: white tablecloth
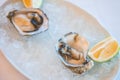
107 12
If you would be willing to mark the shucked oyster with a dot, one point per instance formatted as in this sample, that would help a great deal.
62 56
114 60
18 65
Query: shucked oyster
29 21
72 50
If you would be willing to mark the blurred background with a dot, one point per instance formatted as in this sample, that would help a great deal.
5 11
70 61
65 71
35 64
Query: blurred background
107 12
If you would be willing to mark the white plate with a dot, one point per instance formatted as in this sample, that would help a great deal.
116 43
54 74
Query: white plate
35 56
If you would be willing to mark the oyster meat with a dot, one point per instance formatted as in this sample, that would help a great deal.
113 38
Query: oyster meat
29 21
72 50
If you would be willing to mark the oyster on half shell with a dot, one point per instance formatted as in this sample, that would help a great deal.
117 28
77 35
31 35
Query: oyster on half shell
29 21
72 50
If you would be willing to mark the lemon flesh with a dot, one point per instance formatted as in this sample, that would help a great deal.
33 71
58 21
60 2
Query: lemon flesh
104 50
33 3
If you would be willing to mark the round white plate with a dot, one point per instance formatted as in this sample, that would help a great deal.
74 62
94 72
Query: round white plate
35 56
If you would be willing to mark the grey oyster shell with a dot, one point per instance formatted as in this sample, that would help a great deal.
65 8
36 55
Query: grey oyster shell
29 21
72 51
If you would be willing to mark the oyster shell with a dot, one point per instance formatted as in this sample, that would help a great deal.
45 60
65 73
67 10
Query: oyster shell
29 21
72 50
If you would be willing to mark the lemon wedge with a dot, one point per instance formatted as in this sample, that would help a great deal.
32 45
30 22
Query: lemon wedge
104 50
33 3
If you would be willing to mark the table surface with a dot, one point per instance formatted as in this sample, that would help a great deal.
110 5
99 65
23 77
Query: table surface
105 11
